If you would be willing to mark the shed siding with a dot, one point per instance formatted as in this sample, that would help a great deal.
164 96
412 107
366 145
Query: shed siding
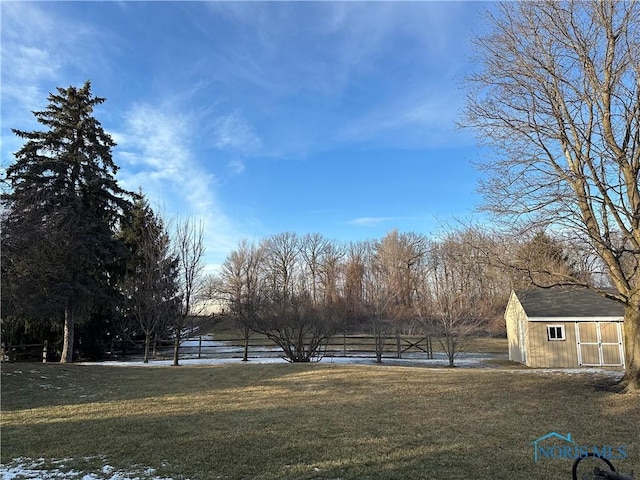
588 340
545 353
516 322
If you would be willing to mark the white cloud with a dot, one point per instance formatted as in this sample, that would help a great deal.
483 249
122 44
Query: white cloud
27 65
370 221
40 51
326 54
236 166
418 120
37 46
233 132
155 154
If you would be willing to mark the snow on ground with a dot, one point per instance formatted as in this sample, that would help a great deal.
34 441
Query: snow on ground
440 360
478 361
592 371
26 468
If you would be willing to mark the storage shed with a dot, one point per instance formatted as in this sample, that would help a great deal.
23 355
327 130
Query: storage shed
564 328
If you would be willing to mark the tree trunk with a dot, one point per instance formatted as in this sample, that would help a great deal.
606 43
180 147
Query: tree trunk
67 347
632 346
176 350
147 345
379 348
155 346
450 349
245 355
451 360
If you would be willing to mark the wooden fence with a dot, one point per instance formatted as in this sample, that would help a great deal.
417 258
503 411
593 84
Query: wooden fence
395 346
24 353
207 346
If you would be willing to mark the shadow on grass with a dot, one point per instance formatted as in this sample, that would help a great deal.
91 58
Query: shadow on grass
31 385
321 422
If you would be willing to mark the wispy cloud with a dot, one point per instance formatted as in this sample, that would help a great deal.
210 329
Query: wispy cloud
156 155
426 119
234 133
26 67
320 72
37 48
236 166
40 51
371 221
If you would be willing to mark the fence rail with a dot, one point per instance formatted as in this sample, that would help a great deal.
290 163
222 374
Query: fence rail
207 346
337 346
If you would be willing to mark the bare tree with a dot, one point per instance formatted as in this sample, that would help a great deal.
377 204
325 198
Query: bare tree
189 250
289 314
313 247
559 98
542 260
297 325
243 287
283 260
331 272
390 281
354 284
453 307
149 286
381 293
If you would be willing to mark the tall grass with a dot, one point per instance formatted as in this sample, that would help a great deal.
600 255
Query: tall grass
311 421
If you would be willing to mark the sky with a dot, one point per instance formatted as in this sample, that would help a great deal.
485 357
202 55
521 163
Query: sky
256 118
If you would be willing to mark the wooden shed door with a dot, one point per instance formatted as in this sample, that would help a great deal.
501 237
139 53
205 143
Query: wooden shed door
599 344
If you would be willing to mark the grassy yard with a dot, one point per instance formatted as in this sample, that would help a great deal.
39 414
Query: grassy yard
313 421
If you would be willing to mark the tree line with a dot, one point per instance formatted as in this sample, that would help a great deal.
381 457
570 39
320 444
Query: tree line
299 290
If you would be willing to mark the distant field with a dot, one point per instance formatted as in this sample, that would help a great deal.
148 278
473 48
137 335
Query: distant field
306 421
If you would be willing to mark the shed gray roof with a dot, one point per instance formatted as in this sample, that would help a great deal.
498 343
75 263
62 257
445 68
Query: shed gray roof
568 302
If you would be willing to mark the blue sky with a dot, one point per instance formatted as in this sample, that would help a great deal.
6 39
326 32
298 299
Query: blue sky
260 118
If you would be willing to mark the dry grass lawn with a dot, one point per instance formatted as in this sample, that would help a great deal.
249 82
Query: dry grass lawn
313 421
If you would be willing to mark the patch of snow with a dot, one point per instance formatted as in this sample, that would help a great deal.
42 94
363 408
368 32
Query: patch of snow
26 468
574 371
480 361
48 386
440 360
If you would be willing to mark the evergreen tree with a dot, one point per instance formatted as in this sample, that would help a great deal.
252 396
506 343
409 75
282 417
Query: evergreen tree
63 206
150 287
542 261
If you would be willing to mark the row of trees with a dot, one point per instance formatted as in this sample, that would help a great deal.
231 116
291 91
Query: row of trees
78 250
300 290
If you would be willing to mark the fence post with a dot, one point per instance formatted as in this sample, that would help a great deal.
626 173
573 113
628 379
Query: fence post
199 346
44 351
344 344
398 344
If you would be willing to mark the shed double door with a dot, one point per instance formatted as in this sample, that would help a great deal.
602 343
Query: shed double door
600 344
